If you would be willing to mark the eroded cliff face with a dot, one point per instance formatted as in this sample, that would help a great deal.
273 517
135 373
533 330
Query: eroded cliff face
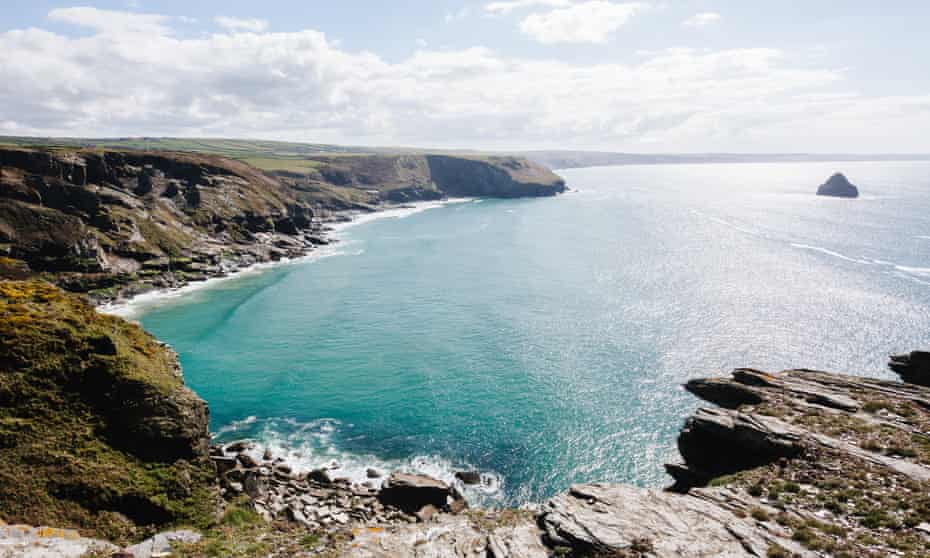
97 430
97 220
349 181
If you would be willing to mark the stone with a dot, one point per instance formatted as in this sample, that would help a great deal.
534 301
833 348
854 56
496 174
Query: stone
410 492
320 476
615 519
160 544
223 463
247 461
914 367
373 473
267 455
426 513
23 541
468 477
239 446
838 186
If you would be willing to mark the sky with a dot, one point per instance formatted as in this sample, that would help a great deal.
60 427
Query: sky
657 76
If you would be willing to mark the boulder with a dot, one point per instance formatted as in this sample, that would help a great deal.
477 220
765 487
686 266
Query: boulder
468 477
160 544
914 368
838 186
411 492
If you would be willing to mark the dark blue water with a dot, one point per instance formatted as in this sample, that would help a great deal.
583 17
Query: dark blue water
544 341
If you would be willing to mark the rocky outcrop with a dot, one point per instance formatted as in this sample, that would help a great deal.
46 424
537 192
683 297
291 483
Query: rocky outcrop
365 181
841 462
619 520
838 186
914 367
97 430
494 177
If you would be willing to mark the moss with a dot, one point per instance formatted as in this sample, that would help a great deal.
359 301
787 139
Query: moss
760 514
73 453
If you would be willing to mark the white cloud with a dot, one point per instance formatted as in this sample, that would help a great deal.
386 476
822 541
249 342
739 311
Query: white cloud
702 19
110 22
588 22
506 7
133 76
240 24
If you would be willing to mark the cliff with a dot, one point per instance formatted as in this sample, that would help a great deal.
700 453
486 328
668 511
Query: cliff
113 223
344 181
97 430
101 221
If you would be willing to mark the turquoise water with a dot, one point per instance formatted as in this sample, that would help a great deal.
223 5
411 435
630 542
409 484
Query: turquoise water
544 341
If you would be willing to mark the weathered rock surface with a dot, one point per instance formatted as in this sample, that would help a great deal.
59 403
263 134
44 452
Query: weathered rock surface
413 492
619 520
451 537
23 541
160 545
914 367
842 462
838 186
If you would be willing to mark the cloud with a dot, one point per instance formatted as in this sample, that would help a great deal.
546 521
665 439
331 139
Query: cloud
506 7
702 19
110 21
239 24
588 22
132 75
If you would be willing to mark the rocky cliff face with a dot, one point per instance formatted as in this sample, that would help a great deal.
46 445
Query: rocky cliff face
498 177
97 429
347 181
99 220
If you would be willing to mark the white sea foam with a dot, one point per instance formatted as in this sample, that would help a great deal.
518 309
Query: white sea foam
308 446
726 223
831 253
921 271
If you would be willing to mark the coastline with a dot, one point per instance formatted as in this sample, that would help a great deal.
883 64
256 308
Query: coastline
332 227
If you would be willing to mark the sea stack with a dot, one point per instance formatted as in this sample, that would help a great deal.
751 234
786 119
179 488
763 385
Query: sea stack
838 186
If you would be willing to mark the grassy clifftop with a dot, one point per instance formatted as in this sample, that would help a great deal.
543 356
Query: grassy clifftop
97 430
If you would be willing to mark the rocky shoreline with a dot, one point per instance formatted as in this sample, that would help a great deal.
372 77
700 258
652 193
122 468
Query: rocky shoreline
796 463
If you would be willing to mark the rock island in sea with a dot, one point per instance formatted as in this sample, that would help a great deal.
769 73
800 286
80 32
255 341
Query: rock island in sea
838 186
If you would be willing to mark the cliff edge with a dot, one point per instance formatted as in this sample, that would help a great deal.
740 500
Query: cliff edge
97 430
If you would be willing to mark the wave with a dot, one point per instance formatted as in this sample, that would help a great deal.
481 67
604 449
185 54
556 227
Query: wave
832 253
920 271
310 445
726 223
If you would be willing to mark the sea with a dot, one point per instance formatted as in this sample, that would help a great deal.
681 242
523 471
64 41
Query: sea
544 342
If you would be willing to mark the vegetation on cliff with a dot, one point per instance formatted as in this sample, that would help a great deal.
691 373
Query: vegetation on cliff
97 430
